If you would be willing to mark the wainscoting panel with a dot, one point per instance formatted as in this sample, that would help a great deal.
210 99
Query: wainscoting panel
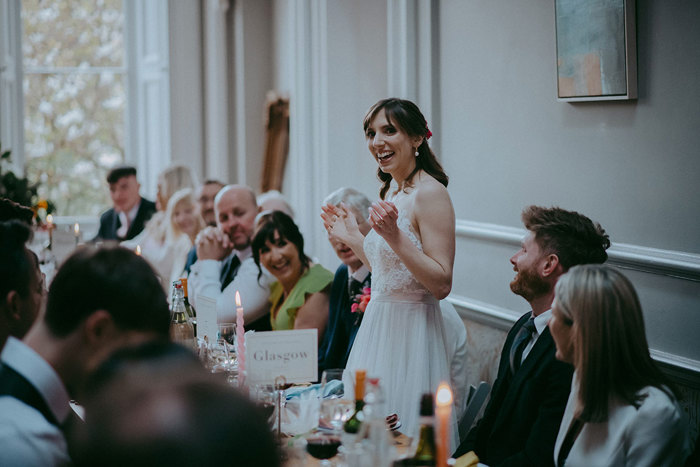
668 284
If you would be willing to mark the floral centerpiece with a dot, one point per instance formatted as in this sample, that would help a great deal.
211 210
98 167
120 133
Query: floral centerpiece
21 191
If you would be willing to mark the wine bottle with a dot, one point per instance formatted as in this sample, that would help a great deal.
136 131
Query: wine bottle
426 451
352 425
191 313
181 329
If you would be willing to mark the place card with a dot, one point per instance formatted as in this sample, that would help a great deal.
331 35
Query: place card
206 318
292 354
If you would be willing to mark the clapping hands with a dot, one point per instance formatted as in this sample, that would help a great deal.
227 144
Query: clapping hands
339 222
382 217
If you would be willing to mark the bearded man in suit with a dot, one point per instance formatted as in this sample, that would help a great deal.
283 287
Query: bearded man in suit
521 421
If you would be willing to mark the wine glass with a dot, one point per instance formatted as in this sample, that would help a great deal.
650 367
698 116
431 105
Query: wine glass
227 331
334 409
323 447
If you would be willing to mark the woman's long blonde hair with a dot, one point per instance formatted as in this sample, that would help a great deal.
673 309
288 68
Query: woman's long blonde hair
180 197
611 353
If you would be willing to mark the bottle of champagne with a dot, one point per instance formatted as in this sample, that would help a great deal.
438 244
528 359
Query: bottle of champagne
181 329
426 451
352 425
191 313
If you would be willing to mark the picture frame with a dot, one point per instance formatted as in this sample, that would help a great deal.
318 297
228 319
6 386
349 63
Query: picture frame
596 50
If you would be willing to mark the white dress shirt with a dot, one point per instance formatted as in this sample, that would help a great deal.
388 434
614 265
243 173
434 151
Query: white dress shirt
540 322
125 219
204 281
654 434
26 437
359 275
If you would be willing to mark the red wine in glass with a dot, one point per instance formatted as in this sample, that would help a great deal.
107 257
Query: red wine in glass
323 447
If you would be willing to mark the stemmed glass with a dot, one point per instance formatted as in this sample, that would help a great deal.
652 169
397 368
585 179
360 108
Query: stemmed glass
323 447
334 409
223 354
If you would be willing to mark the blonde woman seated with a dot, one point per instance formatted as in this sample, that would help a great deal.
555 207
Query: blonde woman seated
152 239
300 296
185 222
622 409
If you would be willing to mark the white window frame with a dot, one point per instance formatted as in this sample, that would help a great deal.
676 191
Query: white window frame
147 119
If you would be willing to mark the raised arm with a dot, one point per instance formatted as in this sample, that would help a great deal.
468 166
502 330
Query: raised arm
435 220
341 225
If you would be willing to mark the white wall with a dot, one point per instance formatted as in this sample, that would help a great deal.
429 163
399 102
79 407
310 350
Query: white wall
504 139
632 166
186 104
331 59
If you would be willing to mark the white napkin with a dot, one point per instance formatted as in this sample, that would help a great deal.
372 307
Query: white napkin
301 414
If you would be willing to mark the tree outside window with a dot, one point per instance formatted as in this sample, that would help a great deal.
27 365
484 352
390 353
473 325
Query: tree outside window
75 99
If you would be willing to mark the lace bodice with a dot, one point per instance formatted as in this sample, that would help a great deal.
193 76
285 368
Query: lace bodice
389 274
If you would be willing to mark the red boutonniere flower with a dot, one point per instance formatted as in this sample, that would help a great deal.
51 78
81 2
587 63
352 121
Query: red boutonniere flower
361 301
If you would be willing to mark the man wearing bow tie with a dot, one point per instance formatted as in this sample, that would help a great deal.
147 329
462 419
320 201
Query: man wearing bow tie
521 421
225 261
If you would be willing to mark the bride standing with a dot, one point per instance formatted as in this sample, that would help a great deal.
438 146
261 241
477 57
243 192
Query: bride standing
410 251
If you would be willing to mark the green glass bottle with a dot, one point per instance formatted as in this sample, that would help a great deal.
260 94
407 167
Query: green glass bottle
191 312
352 425
181 329
426 452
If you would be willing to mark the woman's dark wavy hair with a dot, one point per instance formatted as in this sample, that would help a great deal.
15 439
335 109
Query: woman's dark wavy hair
277 221
407 117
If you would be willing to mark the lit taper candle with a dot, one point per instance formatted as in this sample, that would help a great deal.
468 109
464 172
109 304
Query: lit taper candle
443 413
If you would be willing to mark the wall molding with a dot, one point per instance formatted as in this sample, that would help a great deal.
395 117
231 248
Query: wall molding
681 370
678 264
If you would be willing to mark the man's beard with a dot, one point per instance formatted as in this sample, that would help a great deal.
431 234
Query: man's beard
529 285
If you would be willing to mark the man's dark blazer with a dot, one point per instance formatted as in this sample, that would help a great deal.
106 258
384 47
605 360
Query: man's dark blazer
342 324
521 421
110 223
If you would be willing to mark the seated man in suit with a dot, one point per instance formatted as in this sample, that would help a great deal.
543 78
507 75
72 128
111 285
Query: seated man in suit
128 217
101 299
350 279
21 281
527 402
225 261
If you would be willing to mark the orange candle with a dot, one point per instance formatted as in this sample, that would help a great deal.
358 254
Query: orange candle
443 413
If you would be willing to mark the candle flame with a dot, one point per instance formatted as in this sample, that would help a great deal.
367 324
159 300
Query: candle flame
444 395
238 299
76 229
138 250
49 219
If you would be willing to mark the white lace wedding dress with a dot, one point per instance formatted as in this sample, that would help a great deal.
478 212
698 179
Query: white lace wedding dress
402 338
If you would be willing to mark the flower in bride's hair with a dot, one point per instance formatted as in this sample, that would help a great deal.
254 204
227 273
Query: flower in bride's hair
428 133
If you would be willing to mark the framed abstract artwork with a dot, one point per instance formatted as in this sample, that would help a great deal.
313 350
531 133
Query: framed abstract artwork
596 50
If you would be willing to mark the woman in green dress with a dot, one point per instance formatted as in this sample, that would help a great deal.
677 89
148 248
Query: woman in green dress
299 297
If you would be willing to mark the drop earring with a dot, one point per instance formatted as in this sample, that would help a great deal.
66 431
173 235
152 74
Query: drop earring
416 153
